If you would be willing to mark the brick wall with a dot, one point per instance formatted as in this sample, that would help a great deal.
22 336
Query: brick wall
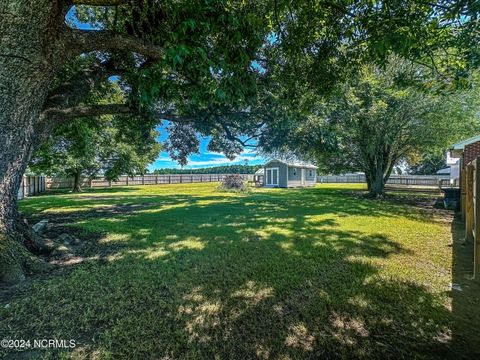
471 152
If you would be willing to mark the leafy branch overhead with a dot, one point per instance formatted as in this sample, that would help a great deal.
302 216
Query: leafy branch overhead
242 72
194 58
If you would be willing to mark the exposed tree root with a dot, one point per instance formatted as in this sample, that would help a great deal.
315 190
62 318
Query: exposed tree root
19 254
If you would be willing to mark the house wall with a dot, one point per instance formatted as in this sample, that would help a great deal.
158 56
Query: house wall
282 172
296 180
471 152
297 176
309 177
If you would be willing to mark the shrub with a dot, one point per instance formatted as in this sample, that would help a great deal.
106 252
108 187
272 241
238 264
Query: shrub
233 182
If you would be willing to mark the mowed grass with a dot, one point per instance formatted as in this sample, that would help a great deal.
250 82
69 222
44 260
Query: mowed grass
189 272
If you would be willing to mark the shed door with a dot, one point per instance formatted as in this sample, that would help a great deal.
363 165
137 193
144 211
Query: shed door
304 174
272 176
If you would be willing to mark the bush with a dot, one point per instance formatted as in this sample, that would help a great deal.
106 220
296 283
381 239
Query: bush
233 182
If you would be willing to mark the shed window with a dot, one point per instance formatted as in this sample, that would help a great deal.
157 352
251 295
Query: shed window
310 172
294 171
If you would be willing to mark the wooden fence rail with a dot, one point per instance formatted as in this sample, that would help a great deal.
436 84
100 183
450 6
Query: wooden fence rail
65 183
472 212
409 180
31 185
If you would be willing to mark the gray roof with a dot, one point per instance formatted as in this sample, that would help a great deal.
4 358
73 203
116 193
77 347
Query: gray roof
461 145
298 164
444 171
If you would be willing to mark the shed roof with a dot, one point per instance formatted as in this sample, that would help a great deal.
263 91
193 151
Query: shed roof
260 171
298 164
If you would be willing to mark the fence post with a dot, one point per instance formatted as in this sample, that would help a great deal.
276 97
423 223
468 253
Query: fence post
126 181
143 179
23 187
181 177
476 243
156 179
169 179
462 191
469 209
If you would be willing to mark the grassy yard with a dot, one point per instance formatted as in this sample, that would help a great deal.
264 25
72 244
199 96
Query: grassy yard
186 271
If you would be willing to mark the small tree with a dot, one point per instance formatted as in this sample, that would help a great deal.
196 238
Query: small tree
91 146
427 164
233 182
377 119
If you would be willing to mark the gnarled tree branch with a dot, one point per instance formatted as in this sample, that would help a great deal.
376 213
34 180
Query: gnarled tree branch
83 41
98 2
89 110
74 90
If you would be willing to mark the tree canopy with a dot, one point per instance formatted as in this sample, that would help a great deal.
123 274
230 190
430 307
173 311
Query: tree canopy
377 119
91 146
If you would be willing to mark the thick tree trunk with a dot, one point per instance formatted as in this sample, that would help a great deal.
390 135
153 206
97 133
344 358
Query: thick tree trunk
376 187
16 145
377 177
77 181
27 35
375 181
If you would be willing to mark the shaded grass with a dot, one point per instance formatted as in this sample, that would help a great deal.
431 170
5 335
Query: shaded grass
186 271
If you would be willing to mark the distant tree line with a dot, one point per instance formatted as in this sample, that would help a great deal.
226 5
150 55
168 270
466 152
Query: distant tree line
226 169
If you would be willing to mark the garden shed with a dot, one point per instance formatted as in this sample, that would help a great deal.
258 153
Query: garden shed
279 173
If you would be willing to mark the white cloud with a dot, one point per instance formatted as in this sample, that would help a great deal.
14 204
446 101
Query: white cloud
217 160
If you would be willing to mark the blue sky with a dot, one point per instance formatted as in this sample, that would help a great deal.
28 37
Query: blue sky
205 158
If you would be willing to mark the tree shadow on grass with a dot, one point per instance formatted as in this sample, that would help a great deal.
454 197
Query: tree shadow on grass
244 277
317 201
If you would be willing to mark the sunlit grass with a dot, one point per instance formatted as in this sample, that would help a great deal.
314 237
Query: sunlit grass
186 271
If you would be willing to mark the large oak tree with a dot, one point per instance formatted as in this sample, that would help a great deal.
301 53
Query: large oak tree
171 58
209 66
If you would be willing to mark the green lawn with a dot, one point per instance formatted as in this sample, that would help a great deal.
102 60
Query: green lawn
187 271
